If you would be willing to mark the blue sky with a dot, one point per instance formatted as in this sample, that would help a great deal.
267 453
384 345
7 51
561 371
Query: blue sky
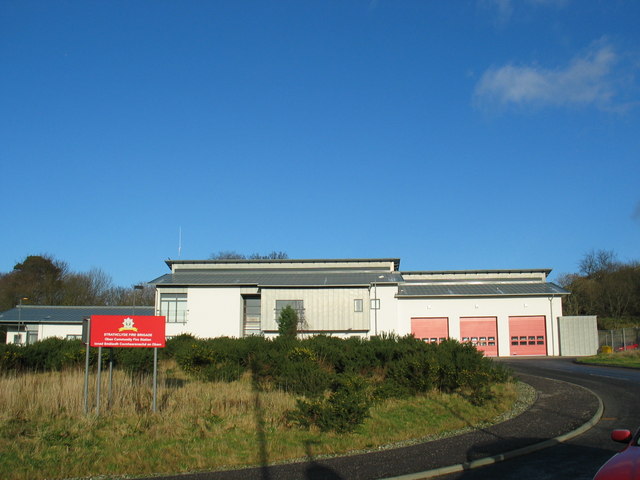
482 134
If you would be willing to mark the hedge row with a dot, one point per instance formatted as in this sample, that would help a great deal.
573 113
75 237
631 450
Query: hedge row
337 379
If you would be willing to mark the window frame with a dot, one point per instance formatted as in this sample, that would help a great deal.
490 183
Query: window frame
169 307
358 305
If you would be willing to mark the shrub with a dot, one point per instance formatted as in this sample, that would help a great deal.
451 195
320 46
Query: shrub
288 322
11 357
52 354
346 407
132 360
301 375
410 375
177 345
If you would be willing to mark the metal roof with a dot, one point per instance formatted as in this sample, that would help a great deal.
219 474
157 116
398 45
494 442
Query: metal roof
65 315
480 290
280 279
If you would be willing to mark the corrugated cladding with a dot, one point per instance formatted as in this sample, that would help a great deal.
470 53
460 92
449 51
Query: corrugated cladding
578 335
324 309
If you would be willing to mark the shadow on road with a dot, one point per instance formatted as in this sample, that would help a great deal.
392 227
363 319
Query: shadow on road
579 462
315 470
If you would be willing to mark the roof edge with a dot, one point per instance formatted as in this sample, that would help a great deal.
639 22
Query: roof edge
396 261
547 271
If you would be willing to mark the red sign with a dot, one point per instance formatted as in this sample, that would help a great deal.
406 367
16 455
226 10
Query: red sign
127 331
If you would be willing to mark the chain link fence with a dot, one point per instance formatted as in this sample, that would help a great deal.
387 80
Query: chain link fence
620 339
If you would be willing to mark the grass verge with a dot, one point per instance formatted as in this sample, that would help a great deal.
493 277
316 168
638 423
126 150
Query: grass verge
629 359
199 426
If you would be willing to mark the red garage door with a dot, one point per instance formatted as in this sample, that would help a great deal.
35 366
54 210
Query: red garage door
528 335
430 329
482 332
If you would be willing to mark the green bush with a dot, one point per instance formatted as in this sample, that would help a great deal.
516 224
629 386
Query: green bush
132 360
52 354
410 375
288 322
177 345
343 410
11 357
302 376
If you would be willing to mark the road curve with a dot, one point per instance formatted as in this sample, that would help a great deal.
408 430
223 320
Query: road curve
579 458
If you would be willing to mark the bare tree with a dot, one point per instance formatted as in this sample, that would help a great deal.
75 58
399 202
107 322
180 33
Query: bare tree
233 255
227 255
597 261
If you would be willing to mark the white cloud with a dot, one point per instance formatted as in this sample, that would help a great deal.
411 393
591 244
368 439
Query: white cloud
505 8
586 80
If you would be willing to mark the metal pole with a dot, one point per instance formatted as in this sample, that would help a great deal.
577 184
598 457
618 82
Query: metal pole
375 306
552 326
110 377
86 380
98 381
155 378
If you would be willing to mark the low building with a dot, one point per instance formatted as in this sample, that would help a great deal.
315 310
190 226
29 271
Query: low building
26 324
502 312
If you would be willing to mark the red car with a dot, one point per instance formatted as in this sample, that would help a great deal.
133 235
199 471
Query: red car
626 464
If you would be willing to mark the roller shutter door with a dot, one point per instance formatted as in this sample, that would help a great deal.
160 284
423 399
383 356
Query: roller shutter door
528 335
482 332
430 329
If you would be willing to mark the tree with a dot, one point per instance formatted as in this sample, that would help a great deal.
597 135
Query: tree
38 278
227 255
269 256
233 255
45 281
89 288
288 322
597 262
604 287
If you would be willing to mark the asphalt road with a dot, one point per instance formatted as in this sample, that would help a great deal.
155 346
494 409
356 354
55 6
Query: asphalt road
581 457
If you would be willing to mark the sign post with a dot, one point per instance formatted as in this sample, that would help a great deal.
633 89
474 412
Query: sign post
86 327
127 331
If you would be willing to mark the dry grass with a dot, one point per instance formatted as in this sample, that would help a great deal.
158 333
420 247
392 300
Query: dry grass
199 426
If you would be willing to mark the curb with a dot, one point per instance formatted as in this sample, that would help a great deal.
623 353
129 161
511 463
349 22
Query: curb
481 462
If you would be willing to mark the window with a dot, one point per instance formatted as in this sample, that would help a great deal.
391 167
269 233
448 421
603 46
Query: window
375 304
357 305
297 305
173 306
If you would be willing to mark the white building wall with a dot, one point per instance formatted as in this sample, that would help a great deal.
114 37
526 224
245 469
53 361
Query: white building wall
211 312
500 307
61 331
44 331
385 319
